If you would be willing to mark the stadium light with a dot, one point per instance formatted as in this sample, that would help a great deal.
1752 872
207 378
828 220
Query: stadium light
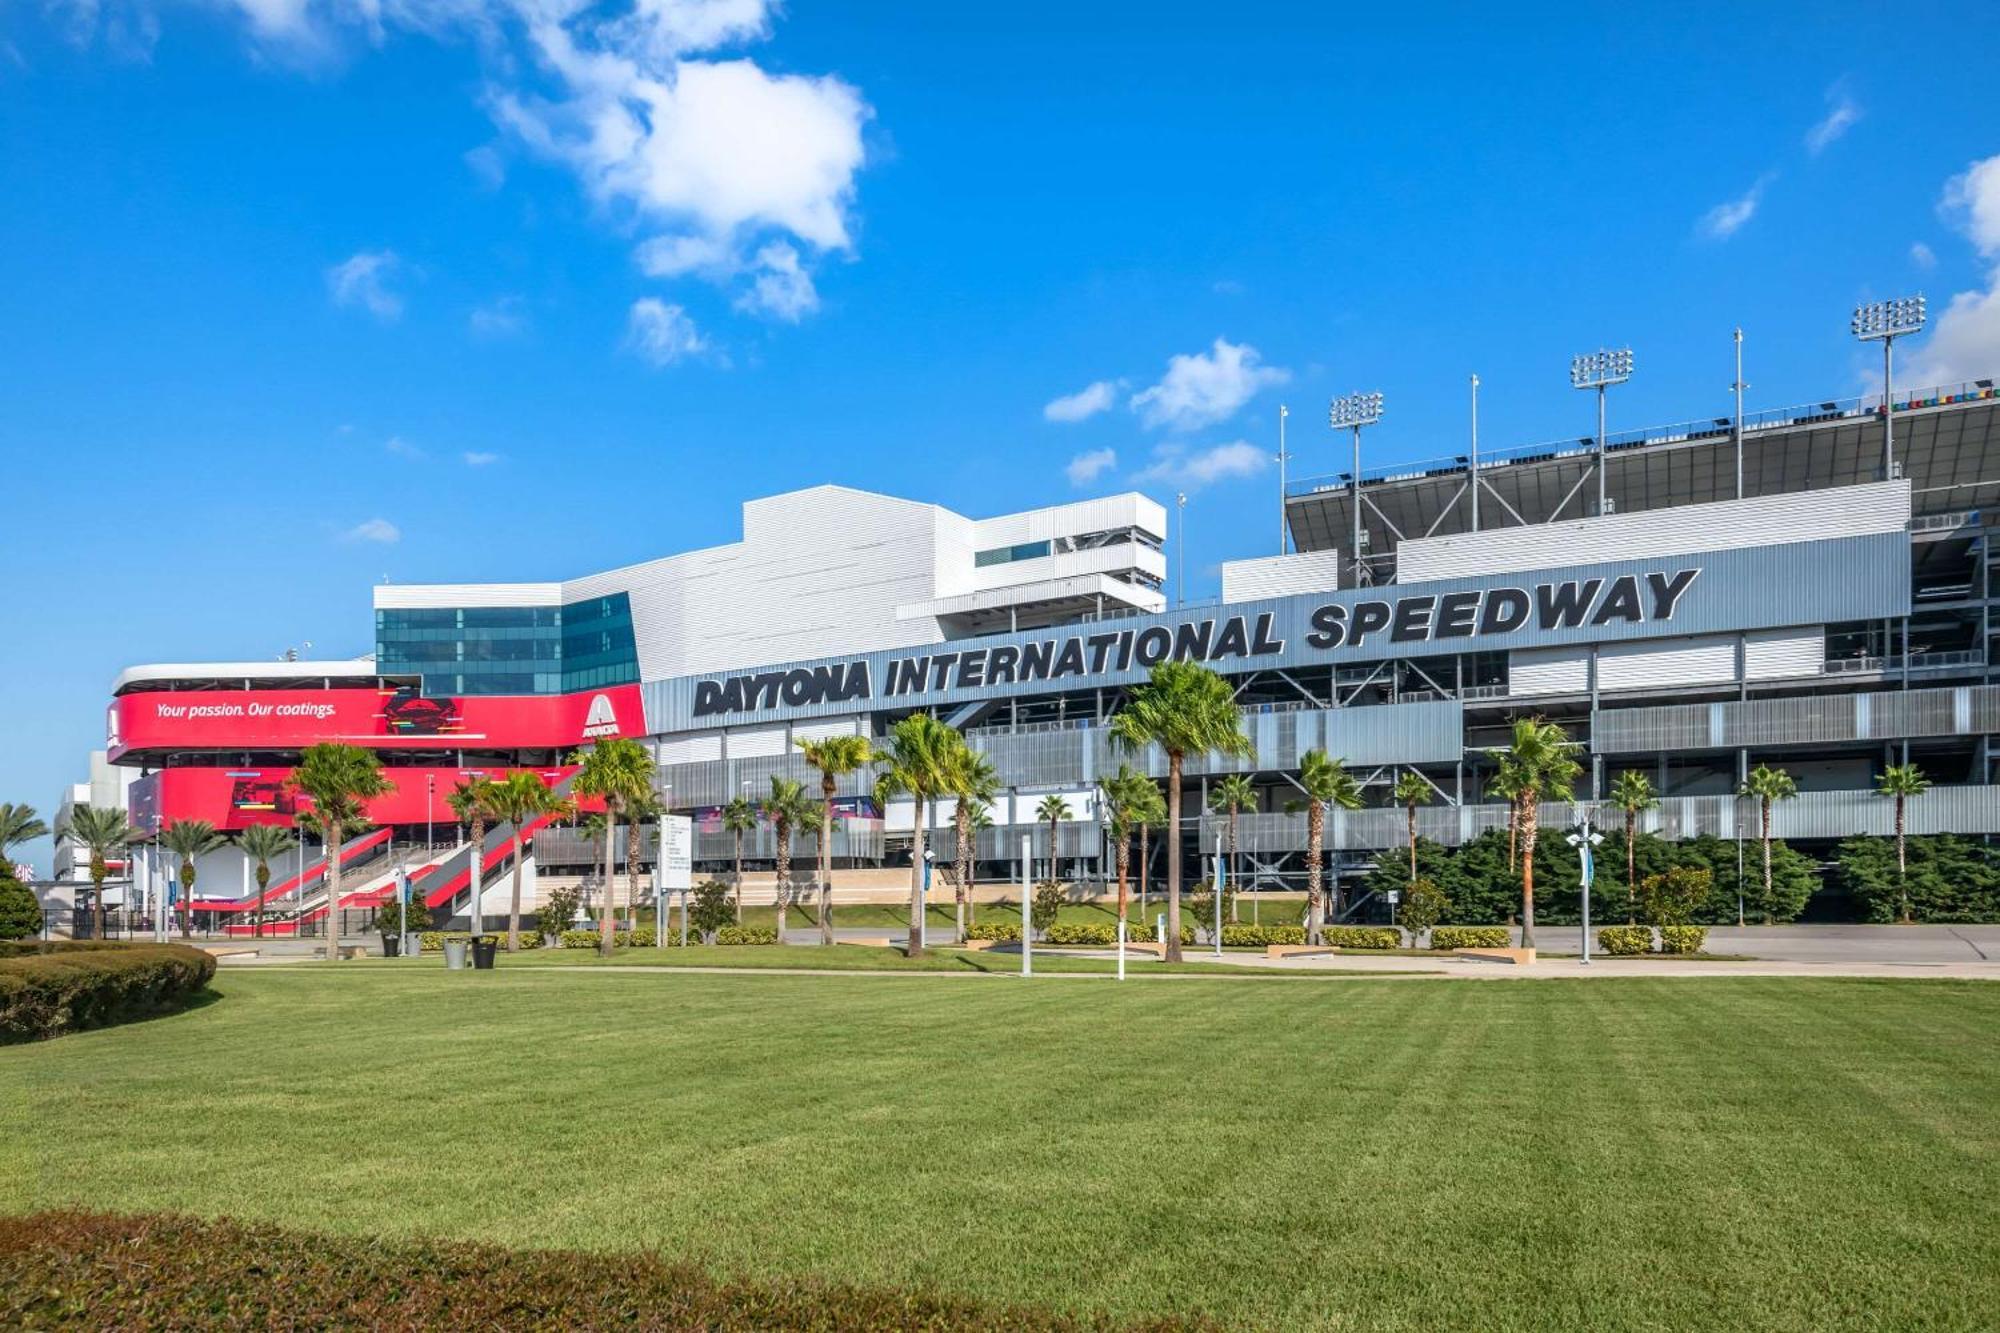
1352 412
1600 370
1884 322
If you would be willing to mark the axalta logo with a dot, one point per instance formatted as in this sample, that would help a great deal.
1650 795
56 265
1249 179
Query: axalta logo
601 720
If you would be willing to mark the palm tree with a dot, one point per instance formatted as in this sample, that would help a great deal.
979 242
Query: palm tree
789 809
618 771
1765 785
1544 758
974 784
188 839
1900 781
1231 796
340 780
1184 708
638 810
99 831
1412 791
515 800
921 760
472 801
1148 811
1506 784
1325 782
739 817
18 824
835 757
1053 809
263 844
1633 794
1123 804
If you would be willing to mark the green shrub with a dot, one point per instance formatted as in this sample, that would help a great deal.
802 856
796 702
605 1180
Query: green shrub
1049 899
1257 937
1682 939
1424 904
1142 932
580 939
1471 937
1362 937
1080 932
1200 905
530 939
640 938
999 931
558 909
20 914
1672 897
713 908
1625 941
747 935
58 988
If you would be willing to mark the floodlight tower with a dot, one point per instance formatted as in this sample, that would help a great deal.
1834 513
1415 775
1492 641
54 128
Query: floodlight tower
1884 322
1352 412
1600 370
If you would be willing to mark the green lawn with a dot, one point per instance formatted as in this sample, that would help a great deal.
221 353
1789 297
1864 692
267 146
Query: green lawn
1274 909
1397 1154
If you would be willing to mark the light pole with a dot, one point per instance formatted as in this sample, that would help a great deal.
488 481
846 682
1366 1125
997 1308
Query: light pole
1600 370
1475 453
1180 547
1884 322
1737 387
1352 412
1283 458
1585 843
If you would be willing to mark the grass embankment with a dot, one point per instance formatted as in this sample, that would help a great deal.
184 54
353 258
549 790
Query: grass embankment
1273 910
1387 1155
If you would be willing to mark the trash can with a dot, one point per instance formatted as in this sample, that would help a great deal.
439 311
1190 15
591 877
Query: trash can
392 946
454 954
483 949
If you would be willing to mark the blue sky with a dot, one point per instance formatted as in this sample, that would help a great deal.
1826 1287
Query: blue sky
293 299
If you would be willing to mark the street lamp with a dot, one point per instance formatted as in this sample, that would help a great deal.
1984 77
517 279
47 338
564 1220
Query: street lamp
1352 412
1884 322
1180 507
1585 843
1600 370
1283 458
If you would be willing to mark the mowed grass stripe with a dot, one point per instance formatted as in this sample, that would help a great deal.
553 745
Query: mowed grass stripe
1396 1154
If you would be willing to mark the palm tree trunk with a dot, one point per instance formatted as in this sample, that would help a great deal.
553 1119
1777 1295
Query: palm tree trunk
1766 838
1124 868
257 908
1145 855
915 948
1315 842
1233 918
187 897
634 845
826 861
739 877
514 905
1413 843
784 869
1631 899
97 871
1902 867
1173 954
608 908
1530 813
475 919
962 819
331 846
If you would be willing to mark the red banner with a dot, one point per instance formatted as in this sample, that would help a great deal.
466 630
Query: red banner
379 719
235 798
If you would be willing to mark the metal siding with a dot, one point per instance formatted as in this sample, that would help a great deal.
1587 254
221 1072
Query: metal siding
1806 720
1280 575
1704 661
1784 653
1548 671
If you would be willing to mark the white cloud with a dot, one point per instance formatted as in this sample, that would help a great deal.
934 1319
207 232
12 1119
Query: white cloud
1921 255
1084 403
479 458
1728 217
1087 467
662 334
402 448
781 289
1192 468
1226 287
502 317
1841 113
362 280
373 530
1202 389
1964 341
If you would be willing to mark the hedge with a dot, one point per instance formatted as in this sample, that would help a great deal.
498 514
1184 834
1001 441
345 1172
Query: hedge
1471 937
1001 932
94 1270
1682 939
48 988
1362 937
747 935
1081 932
1625 941
1257 937
1143 932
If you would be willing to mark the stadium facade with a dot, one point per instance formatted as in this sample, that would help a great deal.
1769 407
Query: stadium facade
1770 591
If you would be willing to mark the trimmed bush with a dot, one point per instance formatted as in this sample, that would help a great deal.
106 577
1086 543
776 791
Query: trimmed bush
1362 937
582 939
57 987
1257 937
1080 932
1471 937
1625 941
1682 939
1142 932
1001 932
97 1270
747 935
20 914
